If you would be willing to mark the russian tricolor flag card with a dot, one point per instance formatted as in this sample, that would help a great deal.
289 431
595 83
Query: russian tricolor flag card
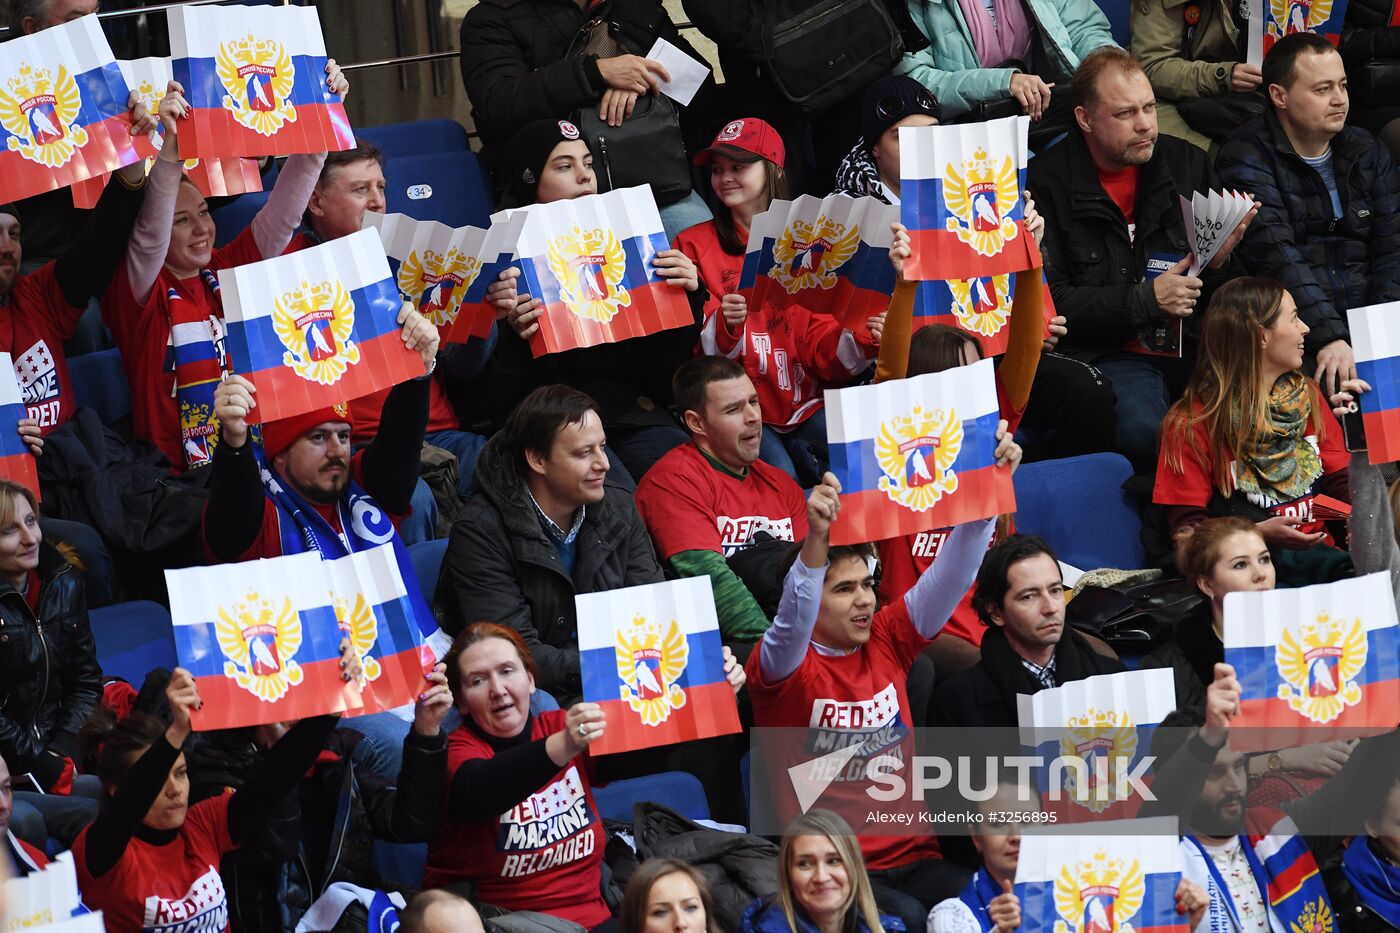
445 272
317 327
1315 664
984 306
1279 18
961 199
63 114
255 77
1106 721
590 261
262 640
829 255
916 454
1123 877
651 657
381 616
214 178
1375 339
17 461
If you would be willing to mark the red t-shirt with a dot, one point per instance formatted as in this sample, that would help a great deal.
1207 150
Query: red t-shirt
1193 486
833 696
174 887
903 560
142 333
1121 188
690 505
544 854
34 325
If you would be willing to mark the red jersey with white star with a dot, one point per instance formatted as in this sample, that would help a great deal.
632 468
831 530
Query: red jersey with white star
34 324
173 888
543 854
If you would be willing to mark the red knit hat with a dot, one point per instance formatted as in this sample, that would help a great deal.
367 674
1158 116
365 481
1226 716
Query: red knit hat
281 434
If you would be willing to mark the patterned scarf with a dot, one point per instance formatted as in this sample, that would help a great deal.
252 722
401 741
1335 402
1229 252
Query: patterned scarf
364 525
197 339
978 896
1284 867
1282 465
858 175
1377 882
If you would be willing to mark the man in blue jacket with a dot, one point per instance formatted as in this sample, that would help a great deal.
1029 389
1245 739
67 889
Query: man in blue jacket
1328 227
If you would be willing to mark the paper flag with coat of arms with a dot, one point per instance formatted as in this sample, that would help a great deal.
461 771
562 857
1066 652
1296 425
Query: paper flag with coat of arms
590 261
262 638
916 454
829 255
317 327
1107 721
984 307
255 78
63 114
445 272
961 198
652 658
1124 876
1376 338
215 178
1271 20
17 462
47 899
1315 664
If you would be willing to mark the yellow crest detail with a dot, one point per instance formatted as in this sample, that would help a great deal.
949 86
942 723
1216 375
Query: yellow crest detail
359 624
982 306
1100 735
916 453
1316 917
980 197
1098 895
314 323
199 432
589 266
1289 16
437 283
808 255
259 640
1319 664
257 76
40 113
649 666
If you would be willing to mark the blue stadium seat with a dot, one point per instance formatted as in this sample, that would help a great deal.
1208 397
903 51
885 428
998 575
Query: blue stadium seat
1078 505
132 638
427 562
1119 13
401 864
449 187
99 382
235 216
415 137
679 790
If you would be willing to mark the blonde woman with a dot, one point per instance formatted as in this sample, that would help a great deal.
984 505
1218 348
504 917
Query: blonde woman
822 885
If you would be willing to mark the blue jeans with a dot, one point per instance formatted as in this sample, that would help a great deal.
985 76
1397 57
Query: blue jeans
1143 397
466 446
684 214
422 524
800 453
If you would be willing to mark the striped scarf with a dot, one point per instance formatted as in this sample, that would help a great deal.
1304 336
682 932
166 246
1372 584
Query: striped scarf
197 339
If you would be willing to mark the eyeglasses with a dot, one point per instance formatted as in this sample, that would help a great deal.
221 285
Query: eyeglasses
893 109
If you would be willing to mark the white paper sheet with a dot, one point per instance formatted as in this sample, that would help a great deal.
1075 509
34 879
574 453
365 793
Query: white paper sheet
686 73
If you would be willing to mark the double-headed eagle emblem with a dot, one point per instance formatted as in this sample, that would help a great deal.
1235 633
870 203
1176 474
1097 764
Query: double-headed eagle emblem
314 323
1289 16
808 255
1100 735
982 305
1099 895
589 266
40 112
260 640
257 75
437 282
359 624
917 453
980 198
1319 665
649 666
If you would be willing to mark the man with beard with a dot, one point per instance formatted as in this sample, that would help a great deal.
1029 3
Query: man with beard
303 490
1258 865
1116 247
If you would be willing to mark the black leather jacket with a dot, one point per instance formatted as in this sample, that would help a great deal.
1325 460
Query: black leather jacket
49 676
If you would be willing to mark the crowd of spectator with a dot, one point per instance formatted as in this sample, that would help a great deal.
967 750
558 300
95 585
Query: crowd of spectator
701 451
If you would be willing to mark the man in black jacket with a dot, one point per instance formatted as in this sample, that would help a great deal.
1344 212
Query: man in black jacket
1020 597
1329 225
1116 247
546 526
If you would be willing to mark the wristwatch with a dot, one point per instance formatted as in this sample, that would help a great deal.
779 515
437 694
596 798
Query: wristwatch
1275 763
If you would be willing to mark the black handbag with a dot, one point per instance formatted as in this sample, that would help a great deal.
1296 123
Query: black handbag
1219 116
1135 619
647 149
1376 83
820 53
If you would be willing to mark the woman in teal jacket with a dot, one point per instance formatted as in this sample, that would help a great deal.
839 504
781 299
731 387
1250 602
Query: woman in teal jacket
979 56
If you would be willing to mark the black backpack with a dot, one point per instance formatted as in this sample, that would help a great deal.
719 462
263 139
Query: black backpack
819 52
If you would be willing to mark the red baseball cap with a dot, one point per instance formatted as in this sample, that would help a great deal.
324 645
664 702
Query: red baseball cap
746 140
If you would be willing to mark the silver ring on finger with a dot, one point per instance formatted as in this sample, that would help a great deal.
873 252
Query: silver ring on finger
583 729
